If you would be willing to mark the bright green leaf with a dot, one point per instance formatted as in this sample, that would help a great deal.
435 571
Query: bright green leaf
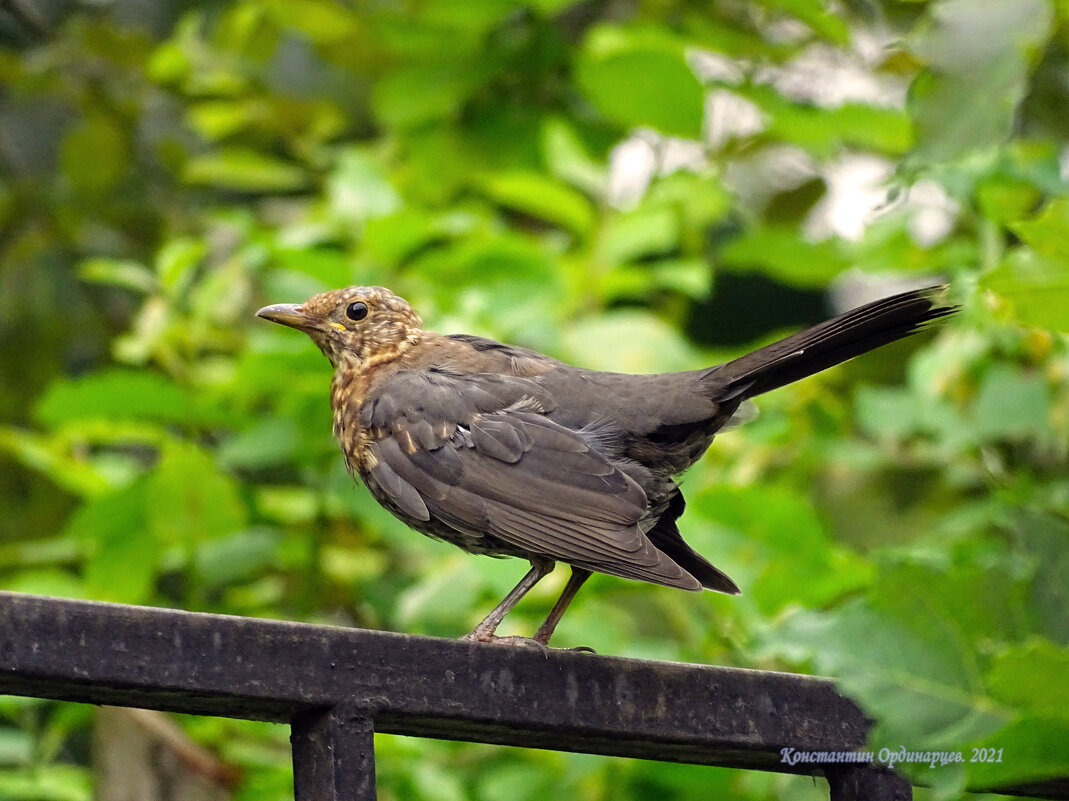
242 169
1036 288
1032 676
52 457
817 15
116 394
320 20
689 277
54 782
785 537
638 77
123 554
638 234
825 131
786 255
1030 749
538 196
629 342
415 94
119 272
568 158
1048 234
359 188
218 119
189 499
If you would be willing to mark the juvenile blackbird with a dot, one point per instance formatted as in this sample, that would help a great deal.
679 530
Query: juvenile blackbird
506 452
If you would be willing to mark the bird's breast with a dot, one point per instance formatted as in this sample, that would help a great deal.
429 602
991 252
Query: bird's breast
348 391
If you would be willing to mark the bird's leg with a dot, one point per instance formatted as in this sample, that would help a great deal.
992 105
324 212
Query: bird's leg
575 581
484 632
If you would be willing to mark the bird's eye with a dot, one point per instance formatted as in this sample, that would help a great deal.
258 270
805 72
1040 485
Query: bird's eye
356 310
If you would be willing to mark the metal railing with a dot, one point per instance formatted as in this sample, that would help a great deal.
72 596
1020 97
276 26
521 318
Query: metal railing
335 687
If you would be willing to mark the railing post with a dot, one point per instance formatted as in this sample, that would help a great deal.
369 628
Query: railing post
333 754
868 783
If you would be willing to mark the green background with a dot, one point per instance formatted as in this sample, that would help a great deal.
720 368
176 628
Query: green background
899 523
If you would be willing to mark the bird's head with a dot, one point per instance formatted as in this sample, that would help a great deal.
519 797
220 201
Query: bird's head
353 325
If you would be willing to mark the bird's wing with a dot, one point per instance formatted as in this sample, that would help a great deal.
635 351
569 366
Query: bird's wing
476 452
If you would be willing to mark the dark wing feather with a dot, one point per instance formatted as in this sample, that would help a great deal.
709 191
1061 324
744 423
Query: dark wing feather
510 474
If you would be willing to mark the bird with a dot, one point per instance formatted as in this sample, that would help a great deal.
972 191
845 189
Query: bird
507 452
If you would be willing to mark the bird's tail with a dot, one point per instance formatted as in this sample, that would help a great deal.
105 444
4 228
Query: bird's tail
825 345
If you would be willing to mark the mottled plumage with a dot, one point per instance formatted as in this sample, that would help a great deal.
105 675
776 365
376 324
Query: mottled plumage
507 452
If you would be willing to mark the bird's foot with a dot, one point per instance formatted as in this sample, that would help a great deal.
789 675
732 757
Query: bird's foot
531 642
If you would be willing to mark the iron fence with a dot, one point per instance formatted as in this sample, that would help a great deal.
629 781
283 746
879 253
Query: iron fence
336 687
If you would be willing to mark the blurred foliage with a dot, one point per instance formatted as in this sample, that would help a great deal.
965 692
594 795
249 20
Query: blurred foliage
630 186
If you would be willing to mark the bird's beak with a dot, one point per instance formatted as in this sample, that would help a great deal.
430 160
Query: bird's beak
289 314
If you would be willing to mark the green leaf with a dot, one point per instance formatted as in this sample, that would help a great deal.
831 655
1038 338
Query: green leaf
113 394
51 456
817 15
1044 538
271 441
568 158
638 234
640 77
54 582
123 554
189 499
912 682
321 22
412 95
889 413
237 557
94 155
1028 750
689 277
243 169
824 131
1034 287
781 533
911 651
119 272
397 236
359 188
1048 234
699 200
1032 676
1006 198
176 263
218 119
1012 404
628 342
786 255
436 601
974 50
539 196
53 782
505 283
